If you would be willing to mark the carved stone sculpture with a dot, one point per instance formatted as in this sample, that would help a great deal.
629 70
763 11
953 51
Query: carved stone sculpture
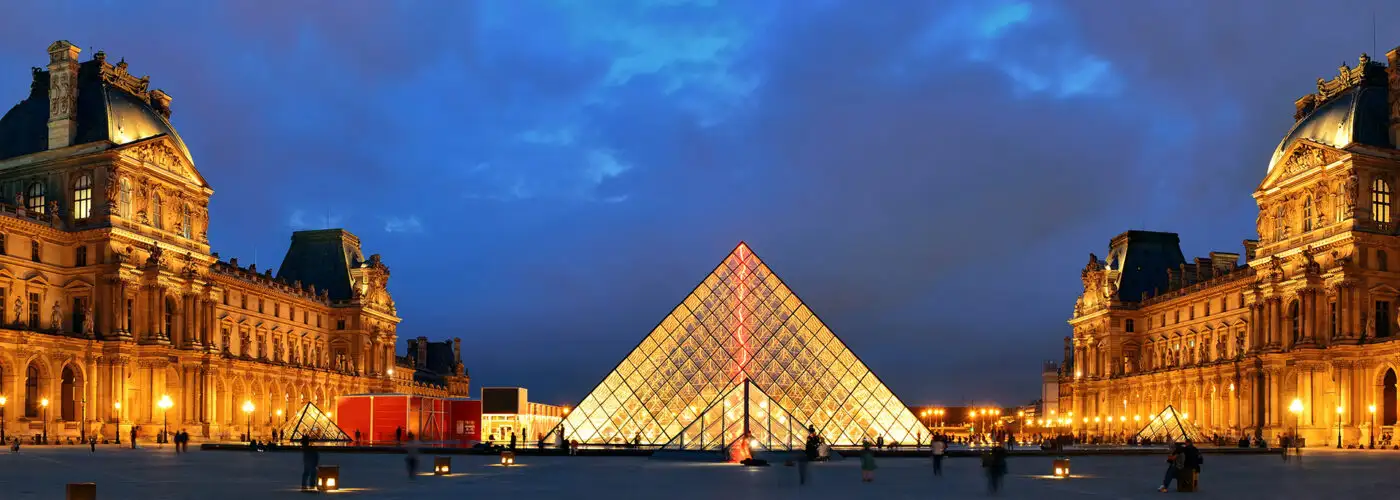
56 318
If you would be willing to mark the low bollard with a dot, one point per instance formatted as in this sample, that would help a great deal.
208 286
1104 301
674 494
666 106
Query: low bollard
442 465
82 491
1061 467
507 458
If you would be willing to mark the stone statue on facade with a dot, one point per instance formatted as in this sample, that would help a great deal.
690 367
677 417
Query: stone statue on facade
19 311
87 320
56 317
1368 329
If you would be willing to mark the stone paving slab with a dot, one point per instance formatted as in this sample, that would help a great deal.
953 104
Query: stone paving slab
40 473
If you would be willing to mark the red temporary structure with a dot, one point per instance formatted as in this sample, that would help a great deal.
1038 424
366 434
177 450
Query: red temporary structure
379 418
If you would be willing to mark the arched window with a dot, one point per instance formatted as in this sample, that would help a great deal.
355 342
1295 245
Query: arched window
1380 200
65 396
31 391
82 197
185 221
124 208
34 197
1307 214
156 209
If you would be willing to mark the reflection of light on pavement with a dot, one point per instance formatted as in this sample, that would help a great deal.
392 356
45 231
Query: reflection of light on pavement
1057 478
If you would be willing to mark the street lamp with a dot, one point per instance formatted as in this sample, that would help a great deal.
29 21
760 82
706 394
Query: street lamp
2 418
117 405
1371 408
1339 427
45 404
165 403
248 410
1297 408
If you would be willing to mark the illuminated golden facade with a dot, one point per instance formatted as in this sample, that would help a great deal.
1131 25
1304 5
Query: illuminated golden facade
110 300
1310 316
741 356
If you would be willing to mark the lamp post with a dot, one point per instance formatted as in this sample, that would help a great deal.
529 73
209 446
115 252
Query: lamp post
2 418
45 404
1297 408
82 428
164 404
1339 427
117 405
248 410
1371 408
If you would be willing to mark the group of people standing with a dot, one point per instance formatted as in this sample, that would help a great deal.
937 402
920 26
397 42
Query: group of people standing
1184 465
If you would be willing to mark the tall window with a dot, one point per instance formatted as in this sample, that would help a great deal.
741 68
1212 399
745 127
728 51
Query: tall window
1340 210
1382 318
129 307
1382 261
34 197
125 207
31 392
157 208
1380 200
1293 320
1222 301
1127 325
33 311
82 197
1307 214
1279 215
34 250
79 314
80 259
185 221
1332 313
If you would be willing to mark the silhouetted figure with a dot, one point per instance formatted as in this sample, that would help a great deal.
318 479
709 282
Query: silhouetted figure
939 448
996 468
1175 460
512 441
411 458
357 436
133 437
867 464
398 435
310 459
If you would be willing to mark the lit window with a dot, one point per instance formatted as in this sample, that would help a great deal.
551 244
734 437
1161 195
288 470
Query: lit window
1307 214
125 207
1380 201
34 198
82 197
185 220
1279 216
156 208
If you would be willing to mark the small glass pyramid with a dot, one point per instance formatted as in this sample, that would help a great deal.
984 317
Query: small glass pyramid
744 411
740 328
313 423
1168 426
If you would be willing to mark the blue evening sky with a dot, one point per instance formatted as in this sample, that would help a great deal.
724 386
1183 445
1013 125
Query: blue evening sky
547 179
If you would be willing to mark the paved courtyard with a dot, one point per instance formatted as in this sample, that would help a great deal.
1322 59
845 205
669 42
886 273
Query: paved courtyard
38 473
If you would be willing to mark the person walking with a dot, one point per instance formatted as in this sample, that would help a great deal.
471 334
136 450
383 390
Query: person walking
939 448
411 459
310 460
512 440
809 453
1174 462
398 435
133 437
995 463
867 464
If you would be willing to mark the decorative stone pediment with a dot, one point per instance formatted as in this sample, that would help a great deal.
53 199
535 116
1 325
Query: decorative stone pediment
1302 156
160 154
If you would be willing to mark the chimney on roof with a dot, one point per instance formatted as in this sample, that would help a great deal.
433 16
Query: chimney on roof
63 93
1249 247
1224 262
1392 73
422 361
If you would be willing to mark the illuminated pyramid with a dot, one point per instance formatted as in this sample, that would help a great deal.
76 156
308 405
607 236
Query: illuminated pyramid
314 424
741 355
1169 426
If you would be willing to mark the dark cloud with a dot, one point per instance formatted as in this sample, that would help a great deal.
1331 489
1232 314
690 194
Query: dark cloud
927 175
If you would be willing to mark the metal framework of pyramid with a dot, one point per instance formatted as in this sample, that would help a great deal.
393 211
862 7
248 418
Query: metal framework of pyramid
1168 426
313 423
741 338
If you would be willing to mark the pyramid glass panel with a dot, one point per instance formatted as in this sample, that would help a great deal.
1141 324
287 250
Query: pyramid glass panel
1169 426
313 423
741 328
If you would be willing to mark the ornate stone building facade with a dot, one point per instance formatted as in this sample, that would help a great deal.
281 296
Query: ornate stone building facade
110 299
1310 316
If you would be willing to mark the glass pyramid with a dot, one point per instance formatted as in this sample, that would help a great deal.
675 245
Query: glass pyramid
313 423
1168 426
740 328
